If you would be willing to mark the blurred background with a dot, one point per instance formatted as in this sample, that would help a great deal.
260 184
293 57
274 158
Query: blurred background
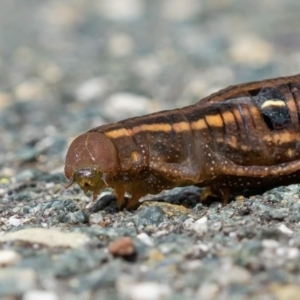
67 66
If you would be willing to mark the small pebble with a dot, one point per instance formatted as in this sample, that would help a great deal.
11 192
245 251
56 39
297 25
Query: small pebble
216 226
177 10
155 255
242 50
96 218
270 244
143 290
279 214
151 215
125 10
208 291
122 247
91 89
8 172
2 192
232 275
121 105
284 229
188 223
76 217
121 45
14 221
40 295
33 89
145 238
8 257
200 226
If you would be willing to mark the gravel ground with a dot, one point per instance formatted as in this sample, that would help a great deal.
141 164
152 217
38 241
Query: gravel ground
67 66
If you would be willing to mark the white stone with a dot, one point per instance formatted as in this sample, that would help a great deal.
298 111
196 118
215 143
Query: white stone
145 238
14 221
233 234
48 237
8 257
120 45
161 233
251 50
124 105
284 229
40 295
270 244
2 192
149 67
208 291
203 247
149 291
8 172
33 89
229 274
124 10
178 10
91 89
128 289
200 226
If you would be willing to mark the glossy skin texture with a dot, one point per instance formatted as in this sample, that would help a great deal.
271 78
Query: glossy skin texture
243 137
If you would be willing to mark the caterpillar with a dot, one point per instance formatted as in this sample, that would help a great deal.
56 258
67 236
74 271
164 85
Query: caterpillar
246 136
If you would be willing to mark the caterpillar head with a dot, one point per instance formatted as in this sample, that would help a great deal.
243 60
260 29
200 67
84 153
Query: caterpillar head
90 159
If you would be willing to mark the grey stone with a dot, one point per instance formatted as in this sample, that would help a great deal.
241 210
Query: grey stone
152 215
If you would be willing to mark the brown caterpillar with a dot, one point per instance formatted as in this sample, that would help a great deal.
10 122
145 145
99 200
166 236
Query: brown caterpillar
243 137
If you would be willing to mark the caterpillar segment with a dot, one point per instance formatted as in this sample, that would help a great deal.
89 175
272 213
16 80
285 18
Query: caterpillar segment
243 137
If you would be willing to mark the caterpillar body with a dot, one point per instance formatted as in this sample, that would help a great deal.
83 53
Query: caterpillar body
243 137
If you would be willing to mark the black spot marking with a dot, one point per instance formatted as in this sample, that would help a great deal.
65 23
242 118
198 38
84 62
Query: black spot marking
275 113
276 117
